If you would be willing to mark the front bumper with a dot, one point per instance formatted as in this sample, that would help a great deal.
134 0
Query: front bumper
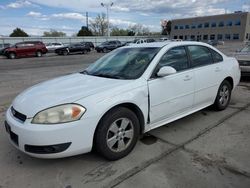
51 141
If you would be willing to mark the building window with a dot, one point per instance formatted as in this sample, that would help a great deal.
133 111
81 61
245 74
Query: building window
205 37
236 36
229 23
175 37
186 37
206 25
181 27
212 37
227 36
186 26
199 25
219 37
221 24
192 37
237 23
176 27
181 37
213 24
193 26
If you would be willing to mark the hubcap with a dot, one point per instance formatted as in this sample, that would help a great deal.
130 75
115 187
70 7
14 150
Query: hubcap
224 95
120 135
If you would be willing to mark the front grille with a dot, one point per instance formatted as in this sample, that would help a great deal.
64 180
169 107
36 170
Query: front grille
18 115
244 63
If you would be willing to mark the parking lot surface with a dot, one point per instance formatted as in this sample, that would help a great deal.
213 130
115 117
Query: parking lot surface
206 149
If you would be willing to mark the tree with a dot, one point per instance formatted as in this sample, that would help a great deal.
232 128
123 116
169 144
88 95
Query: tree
166 27
84 31
54 33
100 25
18 33
119 32
139 29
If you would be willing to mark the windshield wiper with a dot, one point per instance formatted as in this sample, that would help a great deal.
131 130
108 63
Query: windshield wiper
107 76
85 72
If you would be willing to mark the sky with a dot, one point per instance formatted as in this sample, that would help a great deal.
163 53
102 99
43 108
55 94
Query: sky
37 16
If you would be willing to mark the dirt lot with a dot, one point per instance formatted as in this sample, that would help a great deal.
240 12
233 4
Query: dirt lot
206 149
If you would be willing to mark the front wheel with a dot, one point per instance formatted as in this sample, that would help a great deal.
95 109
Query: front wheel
12 55
117 133
38 54
223 96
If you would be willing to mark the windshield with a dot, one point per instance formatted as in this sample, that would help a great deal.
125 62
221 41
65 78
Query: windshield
123 63
246 49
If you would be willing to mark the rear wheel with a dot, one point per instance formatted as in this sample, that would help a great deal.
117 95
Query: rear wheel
117 133
84 51
105 50
65 52
223 96
39 54
12 55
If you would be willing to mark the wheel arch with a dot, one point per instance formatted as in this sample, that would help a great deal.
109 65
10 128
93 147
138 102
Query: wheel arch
131 106
230 80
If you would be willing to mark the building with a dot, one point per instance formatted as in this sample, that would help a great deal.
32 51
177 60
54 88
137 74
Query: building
225 27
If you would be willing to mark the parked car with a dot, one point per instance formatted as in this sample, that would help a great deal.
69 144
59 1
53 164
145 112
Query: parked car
73 48
215 42
3 47
127 92
141 41
53 46
90 44
243 57
25 49
108 46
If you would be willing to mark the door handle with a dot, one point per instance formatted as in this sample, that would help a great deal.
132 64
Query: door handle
217 69
187 78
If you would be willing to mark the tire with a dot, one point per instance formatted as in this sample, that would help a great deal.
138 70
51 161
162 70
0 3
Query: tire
223 96
84 51
12 55
117 134
39 54
105 50
65 52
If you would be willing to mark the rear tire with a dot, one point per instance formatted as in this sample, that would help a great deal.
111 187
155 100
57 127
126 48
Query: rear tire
117 133
84 51
223 96
39 54
105 50
65 52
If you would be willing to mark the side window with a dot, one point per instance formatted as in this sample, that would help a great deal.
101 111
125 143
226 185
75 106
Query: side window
216 56
176 58
200 56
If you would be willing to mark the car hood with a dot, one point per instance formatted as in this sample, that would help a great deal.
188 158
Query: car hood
62 90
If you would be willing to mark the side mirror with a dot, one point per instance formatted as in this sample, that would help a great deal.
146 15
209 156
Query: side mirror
165 71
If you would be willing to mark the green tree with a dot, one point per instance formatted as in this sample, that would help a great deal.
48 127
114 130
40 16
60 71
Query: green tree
18 33
84 31
54 33
166 27
119 32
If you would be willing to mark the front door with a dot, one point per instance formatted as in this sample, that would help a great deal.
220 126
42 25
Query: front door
173 94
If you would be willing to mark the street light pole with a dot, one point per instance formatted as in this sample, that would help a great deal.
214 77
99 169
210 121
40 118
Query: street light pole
108 6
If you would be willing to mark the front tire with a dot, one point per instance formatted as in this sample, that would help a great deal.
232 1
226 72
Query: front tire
39 54
117 133
12 55
223 96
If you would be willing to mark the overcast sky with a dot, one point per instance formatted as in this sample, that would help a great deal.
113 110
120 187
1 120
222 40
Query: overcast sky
37 16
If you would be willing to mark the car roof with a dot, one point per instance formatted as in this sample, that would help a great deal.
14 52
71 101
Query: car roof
162 44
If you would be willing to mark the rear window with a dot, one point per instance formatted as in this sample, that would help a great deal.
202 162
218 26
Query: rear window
200 56
216 56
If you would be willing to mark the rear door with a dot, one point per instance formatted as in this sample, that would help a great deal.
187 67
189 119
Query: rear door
173 94
208 74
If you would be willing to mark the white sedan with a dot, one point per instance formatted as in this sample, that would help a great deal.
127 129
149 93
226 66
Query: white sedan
127 92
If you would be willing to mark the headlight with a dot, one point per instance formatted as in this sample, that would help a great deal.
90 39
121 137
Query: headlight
59 114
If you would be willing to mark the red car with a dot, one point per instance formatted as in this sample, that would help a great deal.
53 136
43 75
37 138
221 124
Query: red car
24 49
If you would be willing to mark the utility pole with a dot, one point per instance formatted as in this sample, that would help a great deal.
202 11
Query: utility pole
87 20
108 6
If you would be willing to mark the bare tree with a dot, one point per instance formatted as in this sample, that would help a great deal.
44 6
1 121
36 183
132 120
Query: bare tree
100 25
139 29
